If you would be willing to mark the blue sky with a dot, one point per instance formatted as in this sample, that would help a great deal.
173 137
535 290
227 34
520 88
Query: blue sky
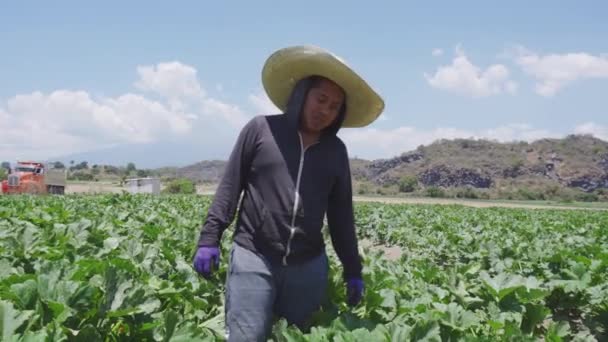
120 76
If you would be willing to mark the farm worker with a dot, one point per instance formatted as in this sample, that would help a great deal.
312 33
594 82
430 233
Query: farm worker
293 171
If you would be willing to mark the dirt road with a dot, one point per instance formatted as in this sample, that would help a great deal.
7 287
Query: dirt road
471 203
101 187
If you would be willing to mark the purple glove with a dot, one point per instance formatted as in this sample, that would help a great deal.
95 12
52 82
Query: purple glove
205 258
354 291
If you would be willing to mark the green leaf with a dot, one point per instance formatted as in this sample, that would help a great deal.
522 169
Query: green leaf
38 336
60 311
454 316
88 333
392 331
584 336
120 295
171 319
557 331
216 324
26 292
11 319
110 244
427 331
534 315
6 269
501 285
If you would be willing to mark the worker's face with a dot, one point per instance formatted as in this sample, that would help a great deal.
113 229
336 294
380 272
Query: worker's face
322 106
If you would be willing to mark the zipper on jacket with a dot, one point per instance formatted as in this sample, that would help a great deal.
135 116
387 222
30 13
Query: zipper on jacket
296 201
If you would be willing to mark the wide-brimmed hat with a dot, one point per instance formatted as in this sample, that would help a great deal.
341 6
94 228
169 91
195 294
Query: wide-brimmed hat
285 67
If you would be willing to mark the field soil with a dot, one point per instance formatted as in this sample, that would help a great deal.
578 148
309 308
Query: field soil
101 187
107 187
472 203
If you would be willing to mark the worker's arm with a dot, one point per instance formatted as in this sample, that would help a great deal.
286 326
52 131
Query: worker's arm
341 221
223 208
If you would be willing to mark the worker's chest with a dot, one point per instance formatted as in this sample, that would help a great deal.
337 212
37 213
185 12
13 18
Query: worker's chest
313 170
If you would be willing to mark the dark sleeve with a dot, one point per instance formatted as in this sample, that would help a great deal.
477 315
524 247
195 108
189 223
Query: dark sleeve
341 221
223 208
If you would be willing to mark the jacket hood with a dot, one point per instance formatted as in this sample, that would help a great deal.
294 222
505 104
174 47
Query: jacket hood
296 104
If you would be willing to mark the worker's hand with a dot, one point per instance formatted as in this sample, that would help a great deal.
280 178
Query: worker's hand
354 291
206 259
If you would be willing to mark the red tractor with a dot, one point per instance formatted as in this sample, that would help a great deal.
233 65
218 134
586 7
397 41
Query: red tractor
30 177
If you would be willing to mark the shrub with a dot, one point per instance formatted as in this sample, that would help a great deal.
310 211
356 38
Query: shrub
467 192
364 188
530 195
587 197
180 186
81 176
112 170
434 191
408 184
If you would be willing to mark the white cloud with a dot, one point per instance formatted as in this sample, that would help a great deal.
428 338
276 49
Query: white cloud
228 112
511 87
372 143
43 125
172 80
262 104
68 121
515 132
598 131
437 52
465 78
554 71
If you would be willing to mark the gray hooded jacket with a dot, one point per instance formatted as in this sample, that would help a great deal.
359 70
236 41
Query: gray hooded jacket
287 191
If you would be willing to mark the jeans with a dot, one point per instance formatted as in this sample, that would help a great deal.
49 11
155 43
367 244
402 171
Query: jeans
257 291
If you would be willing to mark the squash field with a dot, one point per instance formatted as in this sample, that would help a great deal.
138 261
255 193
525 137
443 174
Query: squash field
117 267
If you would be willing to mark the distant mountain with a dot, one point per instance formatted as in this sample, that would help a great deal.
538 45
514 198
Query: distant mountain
544 169
539 169
155 155
208 171
575 167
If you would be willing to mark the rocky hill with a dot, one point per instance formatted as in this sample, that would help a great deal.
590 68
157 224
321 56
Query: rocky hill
547 168
576 163
207 171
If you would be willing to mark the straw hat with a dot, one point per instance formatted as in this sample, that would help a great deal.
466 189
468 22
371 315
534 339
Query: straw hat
284 68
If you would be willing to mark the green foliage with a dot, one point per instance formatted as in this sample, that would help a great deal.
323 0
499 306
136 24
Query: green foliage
142 173
180 186
435 191
517 163
467 192
587 197
80 166
531 195
111 170
81 176
117 267
364 188
3 174
131 167
408 184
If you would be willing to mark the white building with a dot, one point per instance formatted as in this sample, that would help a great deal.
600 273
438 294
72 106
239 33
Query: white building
143 185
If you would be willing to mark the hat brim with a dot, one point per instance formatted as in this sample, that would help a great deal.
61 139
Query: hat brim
284 68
